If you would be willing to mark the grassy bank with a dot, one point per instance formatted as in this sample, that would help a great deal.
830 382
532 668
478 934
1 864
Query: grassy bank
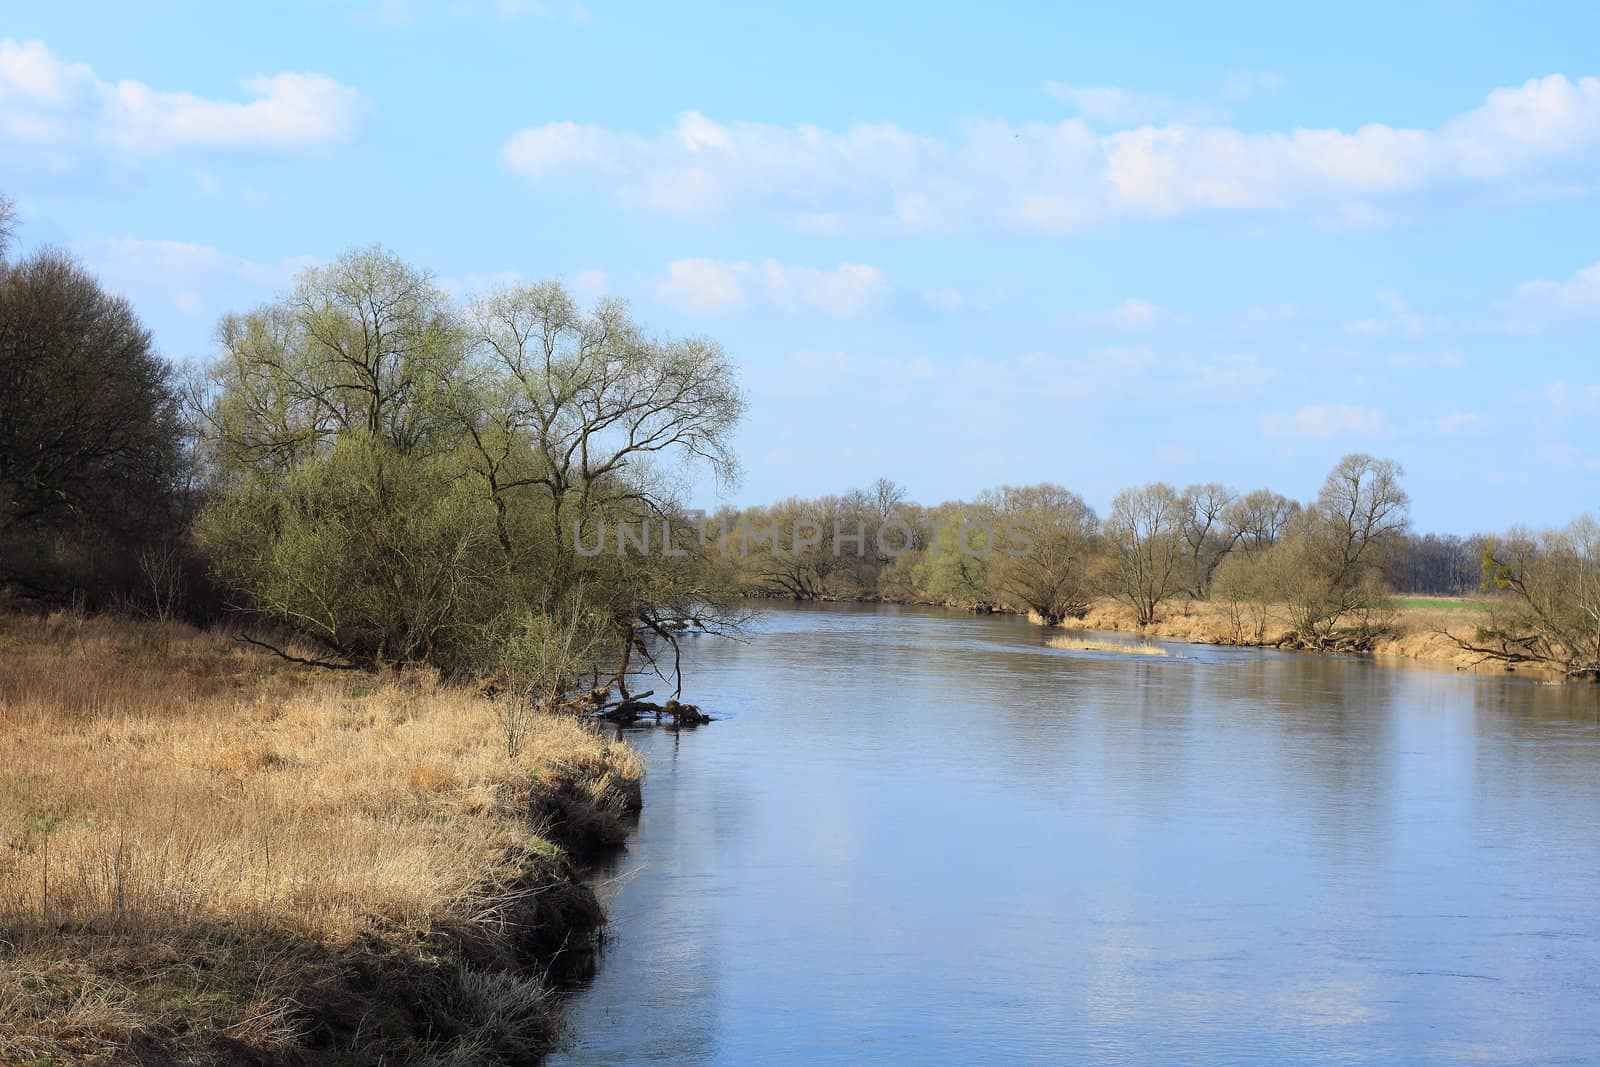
1414 635
209 855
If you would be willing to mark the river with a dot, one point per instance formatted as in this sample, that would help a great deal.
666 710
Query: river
916 836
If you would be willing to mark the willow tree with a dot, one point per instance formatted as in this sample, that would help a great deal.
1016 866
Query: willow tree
592 418
331 435
400 478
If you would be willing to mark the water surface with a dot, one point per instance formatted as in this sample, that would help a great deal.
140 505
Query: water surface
923 837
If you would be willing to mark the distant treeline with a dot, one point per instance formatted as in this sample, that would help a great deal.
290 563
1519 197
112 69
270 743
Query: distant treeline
1212 520
1334 562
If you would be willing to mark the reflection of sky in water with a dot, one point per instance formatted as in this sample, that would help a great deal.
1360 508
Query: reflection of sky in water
922 837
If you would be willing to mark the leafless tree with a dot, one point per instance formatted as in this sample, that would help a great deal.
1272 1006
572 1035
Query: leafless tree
162 568
1043 547
1145 531
1206 532
1256 520
1550 615
8 224
1331 565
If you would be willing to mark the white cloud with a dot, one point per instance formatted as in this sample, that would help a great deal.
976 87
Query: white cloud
590 285
1131 314
704 285
1058 177
131 263
60 112
1457 421
1323 421
714 285
181 287
845 291
1123 107
1540 303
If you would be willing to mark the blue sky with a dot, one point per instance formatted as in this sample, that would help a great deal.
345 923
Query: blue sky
954 245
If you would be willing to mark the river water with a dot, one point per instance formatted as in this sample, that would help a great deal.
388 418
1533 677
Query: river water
917 836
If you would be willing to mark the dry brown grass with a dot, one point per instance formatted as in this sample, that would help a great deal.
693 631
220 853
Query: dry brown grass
1415 633
169 796
1094 644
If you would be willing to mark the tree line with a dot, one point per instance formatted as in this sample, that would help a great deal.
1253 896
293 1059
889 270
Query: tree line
389 476
1331 563
1043 550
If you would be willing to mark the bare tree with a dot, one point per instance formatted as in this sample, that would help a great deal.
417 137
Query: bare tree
1551 614
1364 513
1206 531
1256 520
1335 557
8 224
162 568
1146 534
1042 549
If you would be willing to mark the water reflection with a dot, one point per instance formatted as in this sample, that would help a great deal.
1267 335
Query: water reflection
923 837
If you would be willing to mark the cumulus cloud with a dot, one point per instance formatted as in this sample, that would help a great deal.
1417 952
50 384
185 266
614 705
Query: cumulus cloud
715 285
1059 177
1323 421
196 279
1540 303
61 111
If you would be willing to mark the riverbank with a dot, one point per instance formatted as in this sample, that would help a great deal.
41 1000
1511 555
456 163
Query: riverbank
210 855
1414 635
1419 631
